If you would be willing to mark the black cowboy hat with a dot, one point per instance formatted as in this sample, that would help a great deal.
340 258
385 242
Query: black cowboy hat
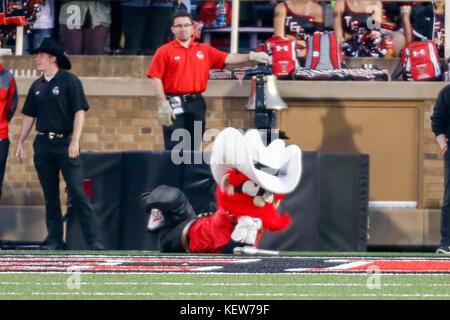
53 47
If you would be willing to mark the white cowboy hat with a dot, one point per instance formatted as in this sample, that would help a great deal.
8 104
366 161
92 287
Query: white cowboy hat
276 168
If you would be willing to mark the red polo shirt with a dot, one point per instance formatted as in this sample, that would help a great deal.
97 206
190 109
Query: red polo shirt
185 70
8 100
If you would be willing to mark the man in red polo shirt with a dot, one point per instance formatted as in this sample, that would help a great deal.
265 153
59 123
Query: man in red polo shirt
8 104
179 73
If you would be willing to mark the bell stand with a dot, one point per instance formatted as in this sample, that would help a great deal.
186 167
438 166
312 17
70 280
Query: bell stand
264 118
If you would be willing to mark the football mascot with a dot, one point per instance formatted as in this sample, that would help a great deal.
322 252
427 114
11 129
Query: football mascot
252 179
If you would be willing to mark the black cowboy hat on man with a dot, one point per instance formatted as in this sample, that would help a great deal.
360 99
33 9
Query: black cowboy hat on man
54 48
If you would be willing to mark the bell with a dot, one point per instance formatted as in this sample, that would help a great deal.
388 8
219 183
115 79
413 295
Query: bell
271 96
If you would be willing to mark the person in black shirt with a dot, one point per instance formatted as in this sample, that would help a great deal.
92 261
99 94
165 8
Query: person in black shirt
428 22
57 102
440 125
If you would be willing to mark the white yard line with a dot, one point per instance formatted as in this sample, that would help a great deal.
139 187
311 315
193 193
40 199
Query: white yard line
174 284
194 272
199 294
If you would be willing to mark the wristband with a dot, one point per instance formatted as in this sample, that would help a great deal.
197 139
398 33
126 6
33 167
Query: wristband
444 149
405 9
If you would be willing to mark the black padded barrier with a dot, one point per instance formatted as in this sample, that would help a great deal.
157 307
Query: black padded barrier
198 183
303 205
328 207
104 170
344 191
143 170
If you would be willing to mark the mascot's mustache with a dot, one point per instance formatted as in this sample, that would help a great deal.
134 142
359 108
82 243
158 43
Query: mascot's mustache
240 204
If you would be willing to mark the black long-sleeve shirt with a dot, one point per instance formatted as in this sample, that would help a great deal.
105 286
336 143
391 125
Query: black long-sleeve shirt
440 119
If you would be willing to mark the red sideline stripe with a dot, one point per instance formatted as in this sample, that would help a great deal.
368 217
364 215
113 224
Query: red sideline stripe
124 260
395 265
134 268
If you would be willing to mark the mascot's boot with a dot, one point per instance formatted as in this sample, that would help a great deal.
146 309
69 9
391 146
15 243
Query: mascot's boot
171 202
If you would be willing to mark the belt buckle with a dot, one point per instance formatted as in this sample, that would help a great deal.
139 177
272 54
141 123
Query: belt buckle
51 135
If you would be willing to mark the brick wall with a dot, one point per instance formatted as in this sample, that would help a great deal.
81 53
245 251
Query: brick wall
118 123
130 123
433 164
112 124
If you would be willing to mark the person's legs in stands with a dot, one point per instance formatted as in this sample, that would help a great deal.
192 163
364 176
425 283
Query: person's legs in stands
158 28
39 35
133 22
71 39
115 30
95 40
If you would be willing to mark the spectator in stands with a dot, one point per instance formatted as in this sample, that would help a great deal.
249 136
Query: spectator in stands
115 30
327 7
396 25
183 5
258 14
428 22
42 27
297 19
357 24
350 16
84 26
146 25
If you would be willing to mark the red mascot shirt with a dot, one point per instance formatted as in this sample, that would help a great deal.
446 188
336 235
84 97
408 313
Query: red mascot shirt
209 234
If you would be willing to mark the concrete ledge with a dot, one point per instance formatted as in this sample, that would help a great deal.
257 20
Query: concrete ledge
404 227
305 90
89 66
136 66
25 223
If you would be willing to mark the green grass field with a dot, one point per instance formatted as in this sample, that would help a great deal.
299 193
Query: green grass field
228 287
223 286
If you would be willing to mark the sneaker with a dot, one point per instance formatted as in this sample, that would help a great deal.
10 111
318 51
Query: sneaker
52 246
97 246
443 249
172 202
156 220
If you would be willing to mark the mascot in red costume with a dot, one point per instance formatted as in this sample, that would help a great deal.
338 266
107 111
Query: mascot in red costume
252 179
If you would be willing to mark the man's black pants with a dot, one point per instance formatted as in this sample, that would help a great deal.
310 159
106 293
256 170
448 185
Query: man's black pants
4 148
445 213
193 120
50 158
